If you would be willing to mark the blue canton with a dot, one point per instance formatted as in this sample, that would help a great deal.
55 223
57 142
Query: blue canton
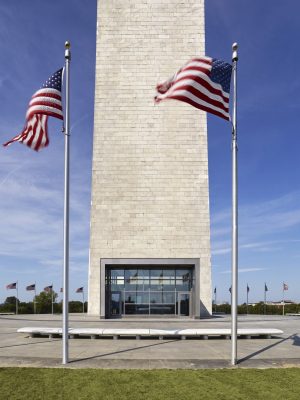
221 73
54 82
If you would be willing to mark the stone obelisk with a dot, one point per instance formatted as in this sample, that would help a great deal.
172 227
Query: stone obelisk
150 196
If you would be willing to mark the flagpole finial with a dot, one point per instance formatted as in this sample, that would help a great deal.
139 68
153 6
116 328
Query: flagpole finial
234 52
67 50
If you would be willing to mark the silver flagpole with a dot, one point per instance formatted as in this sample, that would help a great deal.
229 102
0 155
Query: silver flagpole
247 299
34 299
265 300
215 299
234 294
66 209
52 299
283 299
17 308
83 301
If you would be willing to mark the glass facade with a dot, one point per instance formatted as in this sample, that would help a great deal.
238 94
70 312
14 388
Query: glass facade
147 290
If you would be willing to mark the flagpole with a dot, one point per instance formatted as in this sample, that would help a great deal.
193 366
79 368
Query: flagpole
65 359
247 298
234 266
17 308
34 299
215 299
265 299
82 301
52 298
283 299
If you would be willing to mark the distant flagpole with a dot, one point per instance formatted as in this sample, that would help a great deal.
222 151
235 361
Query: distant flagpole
17 308
234 260
215 298
284 287
82 301
265 299
283 298
247 298
52 298
34 299
65 359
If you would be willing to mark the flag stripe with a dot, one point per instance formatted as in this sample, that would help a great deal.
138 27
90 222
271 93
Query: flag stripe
196 102
47 92
198 91
50 110
45 102
203 80
203 83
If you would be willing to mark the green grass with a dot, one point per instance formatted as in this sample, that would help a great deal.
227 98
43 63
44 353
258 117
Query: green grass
44 384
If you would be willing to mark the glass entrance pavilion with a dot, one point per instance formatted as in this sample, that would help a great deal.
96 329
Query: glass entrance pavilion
148 290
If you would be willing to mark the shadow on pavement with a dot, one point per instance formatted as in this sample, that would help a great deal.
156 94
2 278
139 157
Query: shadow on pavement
122 351
28 344
270 346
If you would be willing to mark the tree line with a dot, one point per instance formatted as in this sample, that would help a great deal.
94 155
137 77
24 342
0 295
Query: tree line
259 308
42 304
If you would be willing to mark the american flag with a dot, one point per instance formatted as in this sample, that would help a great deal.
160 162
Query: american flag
266 288
31 287
45 102
79 290
285 286
12 286
48 289
248 289
203 82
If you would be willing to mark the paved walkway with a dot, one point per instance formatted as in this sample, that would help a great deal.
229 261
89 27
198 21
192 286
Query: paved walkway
20 350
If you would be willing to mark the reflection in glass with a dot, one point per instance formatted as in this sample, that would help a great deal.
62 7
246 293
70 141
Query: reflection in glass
145 290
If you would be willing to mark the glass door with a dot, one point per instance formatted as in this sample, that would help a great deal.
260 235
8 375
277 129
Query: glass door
115 304
184 304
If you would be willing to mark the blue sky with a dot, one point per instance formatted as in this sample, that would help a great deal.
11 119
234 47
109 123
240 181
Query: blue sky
32 37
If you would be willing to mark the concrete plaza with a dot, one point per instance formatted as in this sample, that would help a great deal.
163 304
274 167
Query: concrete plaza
20 350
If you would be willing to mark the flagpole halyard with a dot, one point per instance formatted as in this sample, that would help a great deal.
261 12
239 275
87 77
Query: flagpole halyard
234 294
65 359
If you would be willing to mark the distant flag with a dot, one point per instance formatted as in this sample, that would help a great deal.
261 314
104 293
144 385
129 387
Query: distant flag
203 82
266 288
285 286
248 289
215 290
45 102
48 289
12 286
30 287
230 289
61 290
79 290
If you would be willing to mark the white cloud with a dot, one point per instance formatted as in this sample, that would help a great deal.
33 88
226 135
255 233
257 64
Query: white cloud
243 270
263 226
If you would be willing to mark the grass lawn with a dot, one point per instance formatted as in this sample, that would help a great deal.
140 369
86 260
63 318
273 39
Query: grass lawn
44 383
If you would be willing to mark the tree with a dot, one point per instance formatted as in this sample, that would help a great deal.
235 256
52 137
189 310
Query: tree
11 300
9 305
44 302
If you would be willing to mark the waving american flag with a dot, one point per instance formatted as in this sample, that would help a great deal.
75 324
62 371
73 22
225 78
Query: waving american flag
203 82
45 102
